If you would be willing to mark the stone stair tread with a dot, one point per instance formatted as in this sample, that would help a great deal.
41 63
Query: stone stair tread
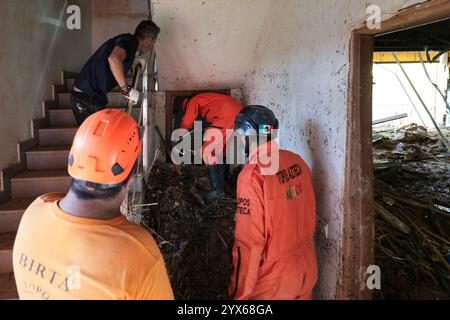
8 288
16 204
64 109
33 174
50 149
61 110
59 128
7 240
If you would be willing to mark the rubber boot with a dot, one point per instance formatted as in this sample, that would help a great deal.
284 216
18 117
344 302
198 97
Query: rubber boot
216 179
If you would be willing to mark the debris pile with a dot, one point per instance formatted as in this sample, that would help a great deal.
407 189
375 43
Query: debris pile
195 237
412 215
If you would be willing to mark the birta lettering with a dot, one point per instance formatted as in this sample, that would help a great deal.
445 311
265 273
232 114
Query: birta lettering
40 270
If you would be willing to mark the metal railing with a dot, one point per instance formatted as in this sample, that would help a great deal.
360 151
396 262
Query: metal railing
136 196
135 201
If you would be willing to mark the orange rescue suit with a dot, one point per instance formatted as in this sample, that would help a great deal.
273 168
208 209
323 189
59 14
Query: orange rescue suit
217 109
273 253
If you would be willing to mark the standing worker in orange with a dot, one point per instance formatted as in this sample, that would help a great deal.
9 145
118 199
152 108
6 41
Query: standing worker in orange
273 253
78 245
219 111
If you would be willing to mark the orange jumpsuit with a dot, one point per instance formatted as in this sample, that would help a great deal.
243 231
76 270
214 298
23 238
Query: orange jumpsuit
273 253
219 110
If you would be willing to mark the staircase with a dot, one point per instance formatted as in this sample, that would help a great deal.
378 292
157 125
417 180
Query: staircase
46 171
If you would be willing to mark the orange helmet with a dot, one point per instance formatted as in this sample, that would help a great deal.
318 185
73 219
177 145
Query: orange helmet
105 148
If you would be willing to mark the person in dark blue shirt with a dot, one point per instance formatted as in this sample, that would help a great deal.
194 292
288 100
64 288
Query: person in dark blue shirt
108 67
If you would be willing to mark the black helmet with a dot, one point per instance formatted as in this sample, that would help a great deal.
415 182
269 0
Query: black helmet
255 120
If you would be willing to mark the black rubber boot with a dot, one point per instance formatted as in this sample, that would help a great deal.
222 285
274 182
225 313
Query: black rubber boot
215 176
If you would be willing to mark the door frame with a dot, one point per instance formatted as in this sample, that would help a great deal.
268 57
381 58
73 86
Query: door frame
358 222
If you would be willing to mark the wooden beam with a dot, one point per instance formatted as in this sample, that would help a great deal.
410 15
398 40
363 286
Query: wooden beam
358 205
424 13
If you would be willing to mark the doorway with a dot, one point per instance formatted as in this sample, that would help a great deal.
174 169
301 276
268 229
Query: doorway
359 219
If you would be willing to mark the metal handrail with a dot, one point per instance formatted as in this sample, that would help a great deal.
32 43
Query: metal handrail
136 206
134 84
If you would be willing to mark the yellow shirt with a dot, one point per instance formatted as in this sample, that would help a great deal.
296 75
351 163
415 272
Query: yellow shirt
60 256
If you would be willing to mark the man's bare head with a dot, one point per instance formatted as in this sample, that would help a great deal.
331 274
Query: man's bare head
146 32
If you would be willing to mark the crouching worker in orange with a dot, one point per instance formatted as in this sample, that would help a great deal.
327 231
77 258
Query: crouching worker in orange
273 253
78 245
219 111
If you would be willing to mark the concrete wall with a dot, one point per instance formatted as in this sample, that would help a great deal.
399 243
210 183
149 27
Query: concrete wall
300 70
292 55
37 46
113 17
207 44
157 117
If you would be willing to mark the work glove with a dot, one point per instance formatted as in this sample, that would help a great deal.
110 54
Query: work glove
131 94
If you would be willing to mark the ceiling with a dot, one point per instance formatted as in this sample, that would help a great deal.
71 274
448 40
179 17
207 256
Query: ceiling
435 36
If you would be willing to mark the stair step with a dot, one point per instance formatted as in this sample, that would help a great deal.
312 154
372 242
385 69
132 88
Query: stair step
47 157
115 99
70 83
65 117
8 289
62 118
57 136
11 212
35 183
6 248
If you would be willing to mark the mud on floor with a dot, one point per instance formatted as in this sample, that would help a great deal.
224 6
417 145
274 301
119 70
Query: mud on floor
195 238
412 226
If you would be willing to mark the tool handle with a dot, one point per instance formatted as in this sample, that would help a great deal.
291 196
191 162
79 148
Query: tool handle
167 148
134 84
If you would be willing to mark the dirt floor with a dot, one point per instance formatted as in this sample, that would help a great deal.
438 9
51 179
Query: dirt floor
195 238
412 197
412 192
